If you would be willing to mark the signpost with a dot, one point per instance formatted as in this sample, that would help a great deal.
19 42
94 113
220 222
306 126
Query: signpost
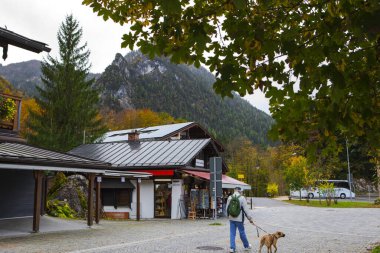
215 183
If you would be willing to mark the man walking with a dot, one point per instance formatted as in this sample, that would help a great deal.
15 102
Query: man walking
237 209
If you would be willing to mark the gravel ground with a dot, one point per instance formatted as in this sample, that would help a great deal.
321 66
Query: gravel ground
307 229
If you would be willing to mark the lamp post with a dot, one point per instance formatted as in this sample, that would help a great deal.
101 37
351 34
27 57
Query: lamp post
257 181
348 168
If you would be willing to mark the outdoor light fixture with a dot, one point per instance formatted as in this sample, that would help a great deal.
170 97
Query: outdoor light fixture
123 179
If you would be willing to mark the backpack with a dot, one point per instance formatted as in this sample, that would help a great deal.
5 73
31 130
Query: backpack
234 206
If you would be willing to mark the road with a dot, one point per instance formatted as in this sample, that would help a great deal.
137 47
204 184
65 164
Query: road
307 230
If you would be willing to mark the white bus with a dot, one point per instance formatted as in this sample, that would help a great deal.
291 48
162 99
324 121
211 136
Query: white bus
341 190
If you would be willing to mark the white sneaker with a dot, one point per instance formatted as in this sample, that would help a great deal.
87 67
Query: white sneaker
232 251
248 248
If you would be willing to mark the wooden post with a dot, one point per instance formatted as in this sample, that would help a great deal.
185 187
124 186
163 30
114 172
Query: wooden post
97 202
90 200
37 200
138 199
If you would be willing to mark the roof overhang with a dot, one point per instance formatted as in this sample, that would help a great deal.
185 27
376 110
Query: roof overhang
129 174
227 182
12 166
11 38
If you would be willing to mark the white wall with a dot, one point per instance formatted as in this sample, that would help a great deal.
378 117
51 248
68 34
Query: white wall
177 194
146 200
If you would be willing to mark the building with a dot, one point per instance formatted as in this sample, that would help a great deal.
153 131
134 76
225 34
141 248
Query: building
22 166
179 165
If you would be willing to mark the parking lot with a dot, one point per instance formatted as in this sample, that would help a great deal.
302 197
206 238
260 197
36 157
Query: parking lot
307 229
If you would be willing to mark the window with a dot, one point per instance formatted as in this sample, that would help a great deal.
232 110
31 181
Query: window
117 197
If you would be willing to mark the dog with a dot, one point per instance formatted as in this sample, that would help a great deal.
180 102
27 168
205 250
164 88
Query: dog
269 240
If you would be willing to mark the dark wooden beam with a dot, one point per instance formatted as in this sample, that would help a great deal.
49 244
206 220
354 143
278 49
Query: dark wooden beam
37 200
97 202
90 200
138 199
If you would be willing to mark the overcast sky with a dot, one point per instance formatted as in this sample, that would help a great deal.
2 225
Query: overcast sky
40 20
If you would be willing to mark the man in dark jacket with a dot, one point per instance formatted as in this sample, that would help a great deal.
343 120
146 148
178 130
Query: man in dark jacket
238 222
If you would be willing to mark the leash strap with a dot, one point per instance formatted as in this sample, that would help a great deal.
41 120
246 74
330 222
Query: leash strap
257 227
257 230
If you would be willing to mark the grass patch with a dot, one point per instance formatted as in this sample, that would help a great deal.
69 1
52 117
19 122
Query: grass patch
376 249
216 224
341 204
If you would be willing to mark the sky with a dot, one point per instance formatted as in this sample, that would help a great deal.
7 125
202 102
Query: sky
40 20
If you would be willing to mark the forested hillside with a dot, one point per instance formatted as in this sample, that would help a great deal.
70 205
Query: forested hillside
183 91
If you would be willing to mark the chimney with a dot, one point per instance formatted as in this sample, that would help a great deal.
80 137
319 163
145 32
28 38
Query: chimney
133 136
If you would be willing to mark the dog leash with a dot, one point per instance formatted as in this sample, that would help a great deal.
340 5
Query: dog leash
257 229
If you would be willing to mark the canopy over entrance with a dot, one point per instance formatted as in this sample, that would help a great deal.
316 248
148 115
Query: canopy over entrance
227 182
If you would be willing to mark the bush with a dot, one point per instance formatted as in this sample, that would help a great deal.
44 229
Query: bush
377 201
272 189
60 209
7 108
327 190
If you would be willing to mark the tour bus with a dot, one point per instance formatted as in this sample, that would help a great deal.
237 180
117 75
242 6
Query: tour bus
341 190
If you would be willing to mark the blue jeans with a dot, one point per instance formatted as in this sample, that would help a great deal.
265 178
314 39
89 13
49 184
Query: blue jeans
243 236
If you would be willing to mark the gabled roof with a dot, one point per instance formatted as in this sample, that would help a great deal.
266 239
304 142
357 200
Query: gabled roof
18 153
145 154
162 132
150 133
11 38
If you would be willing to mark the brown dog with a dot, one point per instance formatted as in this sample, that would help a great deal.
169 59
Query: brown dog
269 240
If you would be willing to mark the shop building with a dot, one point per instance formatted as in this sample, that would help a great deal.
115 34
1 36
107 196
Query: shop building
179 168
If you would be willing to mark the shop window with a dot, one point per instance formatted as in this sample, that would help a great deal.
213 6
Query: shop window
117 197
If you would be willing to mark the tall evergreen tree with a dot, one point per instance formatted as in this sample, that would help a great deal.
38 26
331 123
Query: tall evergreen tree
67 99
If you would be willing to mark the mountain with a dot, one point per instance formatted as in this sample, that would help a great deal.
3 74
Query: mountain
135 81
25 76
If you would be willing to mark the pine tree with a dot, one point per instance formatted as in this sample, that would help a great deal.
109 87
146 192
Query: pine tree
67 100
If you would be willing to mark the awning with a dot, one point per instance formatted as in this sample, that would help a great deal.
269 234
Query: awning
227 182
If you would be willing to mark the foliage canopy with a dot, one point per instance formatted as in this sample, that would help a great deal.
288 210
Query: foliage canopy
317 61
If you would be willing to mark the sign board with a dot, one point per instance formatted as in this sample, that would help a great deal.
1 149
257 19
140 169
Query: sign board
216 176
240 176
199 163
176 183
99 179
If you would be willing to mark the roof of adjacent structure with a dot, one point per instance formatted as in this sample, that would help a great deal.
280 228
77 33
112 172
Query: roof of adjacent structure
19 153
12 38
173 153
150 133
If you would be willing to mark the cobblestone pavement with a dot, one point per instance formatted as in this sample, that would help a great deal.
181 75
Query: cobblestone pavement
307 229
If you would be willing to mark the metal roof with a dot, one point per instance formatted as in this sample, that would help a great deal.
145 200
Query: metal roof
173 153
11 38
153 132
19 153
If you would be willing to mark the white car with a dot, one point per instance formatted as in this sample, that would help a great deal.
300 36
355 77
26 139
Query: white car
314 193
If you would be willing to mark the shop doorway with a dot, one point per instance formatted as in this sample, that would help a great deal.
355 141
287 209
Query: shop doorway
162 199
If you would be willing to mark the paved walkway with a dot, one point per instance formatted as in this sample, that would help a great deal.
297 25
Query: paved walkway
307 229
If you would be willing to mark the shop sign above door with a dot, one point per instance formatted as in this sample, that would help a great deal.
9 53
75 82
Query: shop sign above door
199 163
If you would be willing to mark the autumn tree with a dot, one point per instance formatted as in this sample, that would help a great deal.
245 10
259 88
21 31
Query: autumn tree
67 101
317 61
130 118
